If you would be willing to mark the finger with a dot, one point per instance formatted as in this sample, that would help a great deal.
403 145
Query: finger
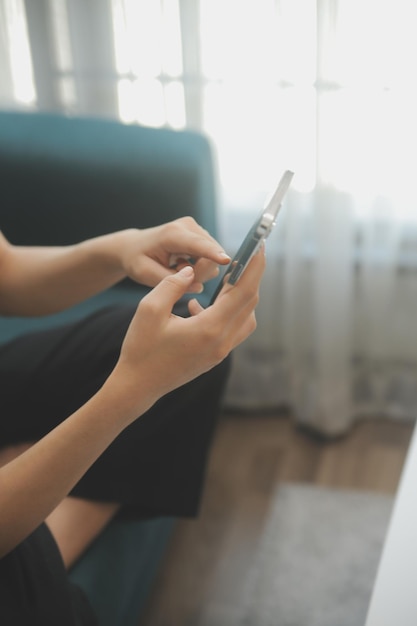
195 307
234 297
205 270
196 243
198 286
150 272
232 317
244 326
163 297
241 332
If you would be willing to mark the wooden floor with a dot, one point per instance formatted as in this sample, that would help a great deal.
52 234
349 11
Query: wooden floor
251 456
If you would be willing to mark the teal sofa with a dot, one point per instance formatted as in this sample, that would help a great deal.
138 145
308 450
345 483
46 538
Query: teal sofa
63 180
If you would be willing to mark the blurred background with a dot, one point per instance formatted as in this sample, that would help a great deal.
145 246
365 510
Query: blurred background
326 88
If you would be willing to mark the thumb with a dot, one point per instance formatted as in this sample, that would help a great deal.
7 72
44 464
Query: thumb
172 288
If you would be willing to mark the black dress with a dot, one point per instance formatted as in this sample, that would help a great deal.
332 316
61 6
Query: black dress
34 589
155 467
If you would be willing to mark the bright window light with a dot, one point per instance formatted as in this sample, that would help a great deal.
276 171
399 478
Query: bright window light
326 89
148 53
147 37
260 101
174 105
61 41
261 41
142 101
61 36
20 58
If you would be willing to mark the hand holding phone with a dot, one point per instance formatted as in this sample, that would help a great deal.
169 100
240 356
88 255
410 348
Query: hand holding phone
259 231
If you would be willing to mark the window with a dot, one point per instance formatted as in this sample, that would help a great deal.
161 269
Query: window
148 51
324 87
16 60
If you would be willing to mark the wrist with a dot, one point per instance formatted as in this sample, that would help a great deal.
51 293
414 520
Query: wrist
112 249
128 399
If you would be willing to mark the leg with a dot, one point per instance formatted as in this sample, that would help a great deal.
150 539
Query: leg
75 523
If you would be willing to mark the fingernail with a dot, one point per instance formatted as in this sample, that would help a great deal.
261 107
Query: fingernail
223 255
187 271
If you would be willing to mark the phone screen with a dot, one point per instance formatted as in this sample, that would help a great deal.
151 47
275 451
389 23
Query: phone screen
258 232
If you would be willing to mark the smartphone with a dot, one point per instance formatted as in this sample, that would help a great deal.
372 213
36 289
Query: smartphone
256 235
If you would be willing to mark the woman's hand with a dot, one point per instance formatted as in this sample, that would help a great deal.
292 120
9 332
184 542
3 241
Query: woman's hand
162 351
149 255
44 280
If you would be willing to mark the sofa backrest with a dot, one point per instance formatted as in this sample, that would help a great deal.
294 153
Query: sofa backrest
65 179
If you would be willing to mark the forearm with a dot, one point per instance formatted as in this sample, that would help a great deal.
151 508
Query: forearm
42 280
32 485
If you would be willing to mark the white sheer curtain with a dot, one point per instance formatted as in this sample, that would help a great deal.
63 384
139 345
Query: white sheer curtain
326 88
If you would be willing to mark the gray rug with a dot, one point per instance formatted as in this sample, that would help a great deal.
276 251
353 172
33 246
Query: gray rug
317 558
